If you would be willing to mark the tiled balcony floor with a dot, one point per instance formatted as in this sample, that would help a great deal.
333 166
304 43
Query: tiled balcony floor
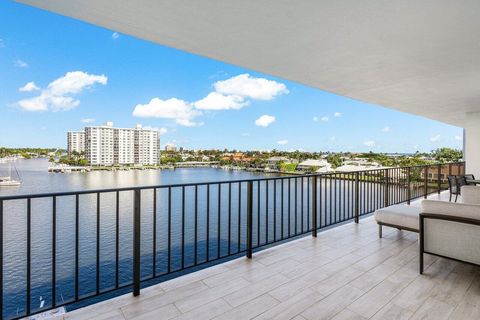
345 273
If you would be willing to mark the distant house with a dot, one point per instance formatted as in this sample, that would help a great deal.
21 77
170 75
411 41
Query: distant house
237 157
185 157
361 162
358 165
349 168
274 162
321 165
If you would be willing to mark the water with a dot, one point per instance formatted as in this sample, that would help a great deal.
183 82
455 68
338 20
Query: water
281 209
36 180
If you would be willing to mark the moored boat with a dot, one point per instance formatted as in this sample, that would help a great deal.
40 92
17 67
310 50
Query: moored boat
7 181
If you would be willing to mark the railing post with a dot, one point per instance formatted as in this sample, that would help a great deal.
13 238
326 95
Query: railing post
439 181
249 219
357 192
136 242
425 183
314 206
409 195
386 195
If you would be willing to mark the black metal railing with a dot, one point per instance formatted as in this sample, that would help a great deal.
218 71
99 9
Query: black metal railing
62 248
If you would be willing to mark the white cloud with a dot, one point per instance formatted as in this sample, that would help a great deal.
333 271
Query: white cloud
265 121
337 114
218 101
332 138
325 118
230 94
315 119
369 143
282 142
386 129
20 63
161 131
115 35
29 87
75 82
45 101
458 138
245 134
87 120
182 112
58 95
435 138
246 86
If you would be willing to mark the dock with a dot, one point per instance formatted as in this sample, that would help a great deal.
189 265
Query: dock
67 169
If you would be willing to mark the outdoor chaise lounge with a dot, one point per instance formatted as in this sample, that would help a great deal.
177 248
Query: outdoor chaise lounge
452 230
400 216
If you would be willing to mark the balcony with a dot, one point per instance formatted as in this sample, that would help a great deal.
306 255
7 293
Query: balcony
78 248
180 248
345 273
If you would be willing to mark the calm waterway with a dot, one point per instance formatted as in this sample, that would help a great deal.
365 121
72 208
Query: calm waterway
189 229
36 180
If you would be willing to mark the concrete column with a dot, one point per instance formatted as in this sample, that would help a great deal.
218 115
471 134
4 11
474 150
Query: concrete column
471 143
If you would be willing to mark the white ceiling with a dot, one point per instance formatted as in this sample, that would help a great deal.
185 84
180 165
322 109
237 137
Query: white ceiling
417 56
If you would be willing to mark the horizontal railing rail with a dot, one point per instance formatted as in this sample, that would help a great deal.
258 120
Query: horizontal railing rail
61 248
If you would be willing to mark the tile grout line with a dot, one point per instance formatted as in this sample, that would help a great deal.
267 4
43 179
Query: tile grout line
380 284
477 274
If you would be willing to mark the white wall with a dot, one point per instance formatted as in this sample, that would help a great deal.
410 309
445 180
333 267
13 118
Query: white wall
472 143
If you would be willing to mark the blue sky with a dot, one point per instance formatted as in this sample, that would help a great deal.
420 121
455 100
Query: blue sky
56 72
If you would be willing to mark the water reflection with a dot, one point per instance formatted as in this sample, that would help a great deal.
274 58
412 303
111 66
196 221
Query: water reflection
36 179
216 224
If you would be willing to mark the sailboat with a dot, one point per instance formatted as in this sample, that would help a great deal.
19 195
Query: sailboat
7 181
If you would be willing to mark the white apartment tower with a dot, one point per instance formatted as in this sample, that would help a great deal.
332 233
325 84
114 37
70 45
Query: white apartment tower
124 146
99 144
75 142
147 146
106 145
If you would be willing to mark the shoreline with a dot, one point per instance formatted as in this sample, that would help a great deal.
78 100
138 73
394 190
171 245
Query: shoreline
86 169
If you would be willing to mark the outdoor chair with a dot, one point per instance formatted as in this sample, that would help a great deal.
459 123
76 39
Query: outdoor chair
467 177
453 187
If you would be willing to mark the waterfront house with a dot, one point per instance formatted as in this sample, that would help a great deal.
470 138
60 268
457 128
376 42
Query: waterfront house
358 165
238 156
274 162
315 165
415 56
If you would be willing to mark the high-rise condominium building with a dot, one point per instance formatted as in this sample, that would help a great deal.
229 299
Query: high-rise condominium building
147 146
170 147
75 142
106 145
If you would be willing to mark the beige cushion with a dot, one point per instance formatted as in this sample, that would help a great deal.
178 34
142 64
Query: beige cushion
452 209
399 215
452 239
470 194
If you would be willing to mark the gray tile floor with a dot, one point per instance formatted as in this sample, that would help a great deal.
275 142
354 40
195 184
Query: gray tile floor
345 273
